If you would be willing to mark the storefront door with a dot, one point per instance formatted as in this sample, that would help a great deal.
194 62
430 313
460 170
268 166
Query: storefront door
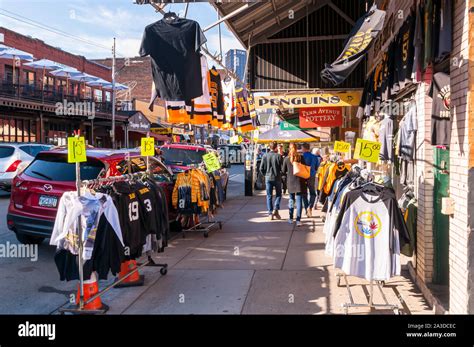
441 221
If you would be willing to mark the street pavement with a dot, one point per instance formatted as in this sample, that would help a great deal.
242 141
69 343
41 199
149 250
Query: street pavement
251 266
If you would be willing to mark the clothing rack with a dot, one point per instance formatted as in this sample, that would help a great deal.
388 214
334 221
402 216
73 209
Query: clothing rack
79 309
204 226
396 309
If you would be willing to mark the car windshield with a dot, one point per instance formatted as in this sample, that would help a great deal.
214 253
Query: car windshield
6 151
56 168
178 156
34 150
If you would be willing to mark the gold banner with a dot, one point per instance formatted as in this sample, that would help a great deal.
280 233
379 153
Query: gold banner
161 131
351 98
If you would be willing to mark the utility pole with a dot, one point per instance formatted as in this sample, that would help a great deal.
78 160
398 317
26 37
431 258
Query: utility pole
113 96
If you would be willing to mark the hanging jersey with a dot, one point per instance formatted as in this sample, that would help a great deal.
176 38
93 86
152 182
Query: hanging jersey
217 98
369 232
134 232
244 122
228 88
202 112
178 111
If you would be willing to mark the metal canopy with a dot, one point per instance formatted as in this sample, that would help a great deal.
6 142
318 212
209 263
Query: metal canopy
261 20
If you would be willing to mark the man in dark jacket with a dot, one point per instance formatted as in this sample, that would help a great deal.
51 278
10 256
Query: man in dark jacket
270 168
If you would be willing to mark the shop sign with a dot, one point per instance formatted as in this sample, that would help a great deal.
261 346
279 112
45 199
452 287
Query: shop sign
138 122
351 98
342 147
367 150
211 161
161 131
148 146
76 149
289 126
320 117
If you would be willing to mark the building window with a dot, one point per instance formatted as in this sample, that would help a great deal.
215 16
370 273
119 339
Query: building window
48 82
88 93
9 74
97 95
108 96
17 130
30 78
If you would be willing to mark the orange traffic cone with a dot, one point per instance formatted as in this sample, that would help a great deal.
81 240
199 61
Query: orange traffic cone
135 279
91 288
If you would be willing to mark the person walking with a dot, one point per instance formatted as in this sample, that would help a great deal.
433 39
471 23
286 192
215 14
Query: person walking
296 185
313 162
270 168
281 151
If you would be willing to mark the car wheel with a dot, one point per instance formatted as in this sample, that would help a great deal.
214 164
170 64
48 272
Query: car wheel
28 239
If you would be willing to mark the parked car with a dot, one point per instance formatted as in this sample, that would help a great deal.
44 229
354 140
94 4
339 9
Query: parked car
234 153
37 189
182 157
14 157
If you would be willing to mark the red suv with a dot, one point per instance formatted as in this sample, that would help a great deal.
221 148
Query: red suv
36 190
181 157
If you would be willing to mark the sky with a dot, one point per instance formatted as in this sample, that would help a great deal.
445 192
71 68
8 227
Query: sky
99 21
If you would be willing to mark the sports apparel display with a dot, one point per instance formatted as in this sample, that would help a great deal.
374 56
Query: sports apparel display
174 47
117 220
440 92
365 228
230 104
244 121
202 110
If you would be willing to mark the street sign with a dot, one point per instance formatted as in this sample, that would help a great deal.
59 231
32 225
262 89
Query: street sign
367 150
342 147
211 161
76 150
148 146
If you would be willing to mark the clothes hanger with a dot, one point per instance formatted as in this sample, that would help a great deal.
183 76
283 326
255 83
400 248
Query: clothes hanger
170 15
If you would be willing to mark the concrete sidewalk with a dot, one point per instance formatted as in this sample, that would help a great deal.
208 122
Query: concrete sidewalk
254 266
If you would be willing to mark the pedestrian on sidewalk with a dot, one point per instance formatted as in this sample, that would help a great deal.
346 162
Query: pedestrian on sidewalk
281 151
296 185
270 168
313 162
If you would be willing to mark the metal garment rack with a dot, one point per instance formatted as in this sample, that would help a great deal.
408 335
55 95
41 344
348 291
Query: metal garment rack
79 309
205 227
396 308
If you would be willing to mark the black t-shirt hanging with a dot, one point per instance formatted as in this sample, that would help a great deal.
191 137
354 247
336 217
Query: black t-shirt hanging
174 45
440 91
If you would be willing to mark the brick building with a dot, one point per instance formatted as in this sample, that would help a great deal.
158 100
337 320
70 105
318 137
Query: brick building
27 103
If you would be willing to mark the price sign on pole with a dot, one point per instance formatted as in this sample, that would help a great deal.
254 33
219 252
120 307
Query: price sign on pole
212 162
76 149
367 150
148 146
342 147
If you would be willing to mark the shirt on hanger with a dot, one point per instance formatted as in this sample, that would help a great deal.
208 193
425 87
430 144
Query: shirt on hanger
370 231
440 91
217 98
174 46
202 111
408 134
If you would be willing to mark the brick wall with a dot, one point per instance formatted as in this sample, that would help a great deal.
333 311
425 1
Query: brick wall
460 269
41 50
424 181
137 75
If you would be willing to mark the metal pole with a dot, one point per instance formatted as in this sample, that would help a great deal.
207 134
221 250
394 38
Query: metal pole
113 96
220 36
186 10
230 15
307 48
79 229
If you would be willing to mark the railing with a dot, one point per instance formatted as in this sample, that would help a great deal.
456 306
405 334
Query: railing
50 95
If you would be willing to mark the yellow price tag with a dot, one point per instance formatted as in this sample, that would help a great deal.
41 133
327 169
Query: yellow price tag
342 147
76 149
367 150
211 161
148 146
240 140
234 139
